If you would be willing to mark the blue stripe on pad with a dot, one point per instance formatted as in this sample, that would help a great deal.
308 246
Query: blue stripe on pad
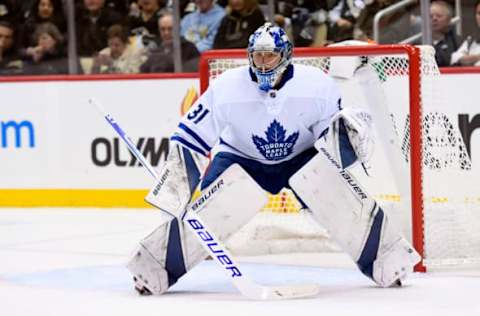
193 173
174 264
370 249
347 153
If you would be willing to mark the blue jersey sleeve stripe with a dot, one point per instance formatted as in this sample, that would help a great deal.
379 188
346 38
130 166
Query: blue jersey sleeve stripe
188 145
195 136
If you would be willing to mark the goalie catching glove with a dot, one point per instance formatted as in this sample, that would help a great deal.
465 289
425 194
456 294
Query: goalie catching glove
351 136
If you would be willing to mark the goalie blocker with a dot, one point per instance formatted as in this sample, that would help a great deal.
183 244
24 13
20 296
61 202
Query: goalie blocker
354 219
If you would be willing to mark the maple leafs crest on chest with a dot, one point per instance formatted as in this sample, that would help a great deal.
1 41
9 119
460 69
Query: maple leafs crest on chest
277 145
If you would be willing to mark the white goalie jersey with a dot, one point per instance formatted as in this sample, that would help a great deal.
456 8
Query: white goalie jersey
269 127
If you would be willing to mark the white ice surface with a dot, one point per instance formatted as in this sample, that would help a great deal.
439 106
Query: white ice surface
70 262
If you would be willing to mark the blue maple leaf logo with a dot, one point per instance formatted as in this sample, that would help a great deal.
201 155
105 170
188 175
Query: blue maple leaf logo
276 146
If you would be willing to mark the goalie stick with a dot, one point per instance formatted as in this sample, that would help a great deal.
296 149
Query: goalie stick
206 237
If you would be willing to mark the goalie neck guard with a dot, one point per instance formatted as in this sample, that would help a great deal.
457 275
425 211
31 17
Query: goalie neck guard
269 39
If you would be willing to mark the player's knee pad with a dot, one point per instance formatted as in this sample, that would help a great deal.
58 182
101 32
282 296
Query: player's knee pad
173 248
353 218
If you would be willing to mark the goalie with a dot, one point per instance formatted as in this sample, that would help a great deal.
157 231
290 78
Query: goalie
266 118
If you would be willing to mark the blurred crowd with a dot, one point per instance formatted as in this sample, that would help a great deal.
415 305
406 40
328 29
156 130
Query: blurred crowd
136 36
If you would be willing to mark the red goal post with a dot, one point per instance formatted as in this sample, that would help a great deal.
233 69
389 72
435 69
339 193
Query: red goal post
412 68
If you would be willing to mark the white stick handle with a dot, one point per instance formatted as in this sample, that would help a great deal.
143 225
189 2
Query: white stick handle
125 138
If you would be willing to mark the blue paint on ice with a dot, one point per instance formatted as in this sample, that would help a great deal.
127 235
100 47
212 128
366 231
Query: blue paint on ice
206 277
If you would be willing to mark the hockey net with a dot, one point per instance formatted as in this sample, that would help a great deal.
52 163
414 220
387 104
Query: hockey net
420 172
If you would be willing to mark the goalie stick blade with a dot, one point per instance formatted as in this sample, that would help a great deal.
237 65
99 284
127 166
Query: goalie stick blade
257 292
290 291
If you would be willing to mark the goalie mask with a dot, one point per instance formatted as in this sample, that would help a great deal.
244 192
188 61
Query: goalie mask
269 54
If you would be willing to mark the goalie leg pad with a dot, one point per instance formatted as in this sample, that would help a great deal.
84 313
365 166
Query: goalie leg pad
149 276
393 264
172 249
386 256
158 261
354 219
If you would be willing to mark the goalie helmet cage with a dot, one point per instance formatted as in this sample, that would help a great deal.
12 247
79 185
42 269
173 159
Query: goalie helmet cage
417 68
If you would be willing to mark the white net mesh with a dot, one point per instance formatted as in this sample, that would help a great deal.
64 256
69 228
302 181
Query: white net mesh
451 200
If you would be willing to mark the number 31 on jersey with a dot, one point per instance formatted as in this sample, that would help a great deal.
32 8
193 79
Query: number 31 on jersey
197 114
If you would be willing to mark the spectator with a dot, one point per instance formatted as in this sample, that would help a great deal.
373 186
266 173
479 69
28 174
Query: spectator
445 41
48 56
342 19
120 6
161 59
119 56
185 6
469 52
393 28
242 19
9 62
42 11
147 16
93 21
306 18
200 27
